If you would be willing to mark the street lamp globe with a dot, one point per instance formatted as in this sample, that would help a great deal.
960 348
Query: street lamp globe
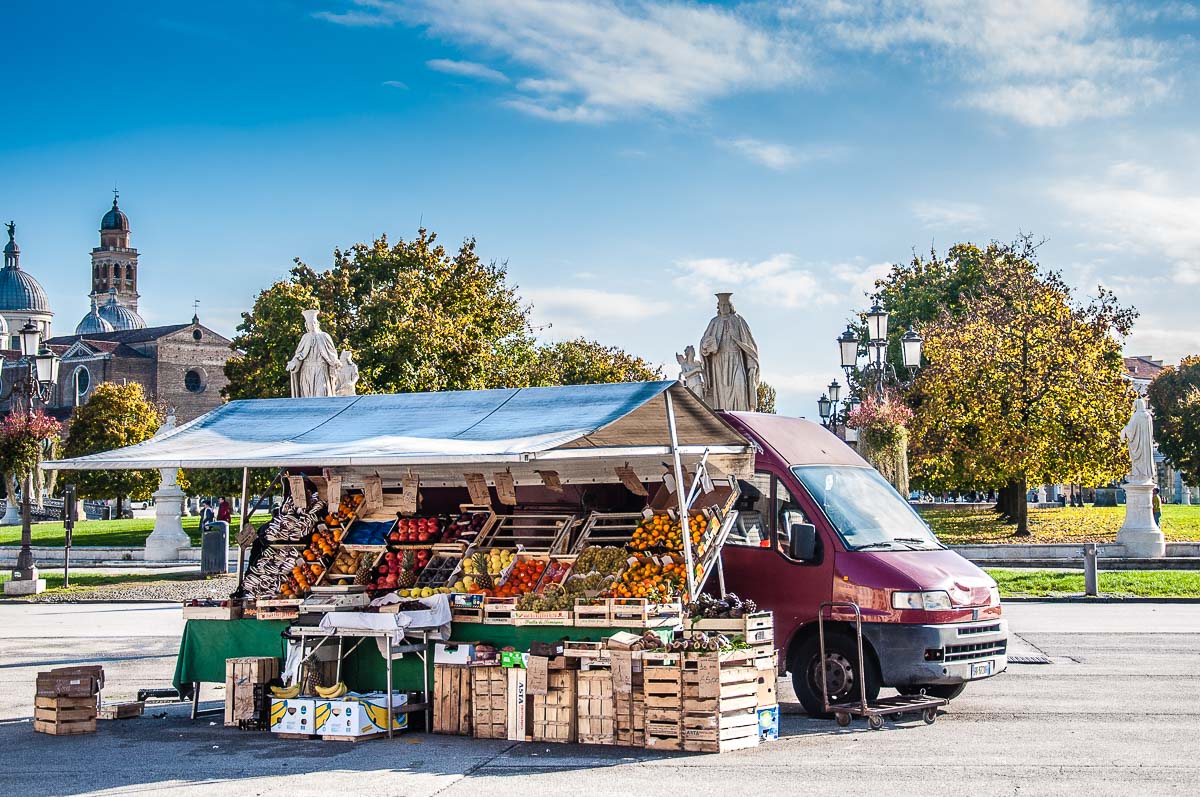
910 347
877 323
31 339
848 347
47 363
835 392
823 405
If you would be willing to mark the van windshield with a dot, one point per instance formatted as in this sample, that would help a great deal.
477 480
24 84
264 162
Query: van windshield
864 510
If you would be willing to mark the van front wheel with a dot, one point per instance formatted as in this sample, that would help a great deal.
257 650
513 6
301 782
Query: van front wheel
841 672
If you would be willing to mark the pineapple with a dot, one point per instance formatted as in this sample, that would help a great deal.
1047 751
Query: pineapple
363 575
407 575
483 578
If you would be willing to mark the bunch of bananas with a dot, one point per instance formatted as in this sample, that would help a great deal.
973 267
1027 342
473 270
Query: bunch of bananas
332 692
286 692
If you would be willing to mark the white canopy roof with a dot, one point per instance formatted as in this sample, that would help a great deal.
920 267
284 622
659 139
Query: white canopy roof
519 425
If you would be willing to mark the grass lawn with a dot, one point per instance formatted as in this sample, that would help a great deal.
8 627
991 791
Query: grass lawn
1068 524
108 533
1125 583
85 581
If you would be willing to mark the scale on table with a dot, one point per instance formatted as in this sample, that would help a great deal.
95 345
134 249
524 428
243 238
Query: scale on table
335 598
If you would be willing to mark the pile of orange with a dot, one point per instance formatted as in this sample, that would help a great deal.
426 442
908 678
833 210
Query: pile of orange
660 531
649 579
322 544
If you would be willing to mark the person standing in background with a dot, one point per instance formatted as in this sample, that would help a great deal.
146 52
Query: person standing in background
206 515
223 512
1156 505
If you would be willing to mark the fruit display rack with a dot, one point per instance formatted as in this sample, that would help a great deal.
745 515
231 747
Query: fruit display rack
535 533
472 523
439 570
607 528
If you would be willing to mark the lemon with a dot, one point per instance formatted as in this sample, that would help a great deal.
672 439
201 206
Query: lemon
460 586
426 592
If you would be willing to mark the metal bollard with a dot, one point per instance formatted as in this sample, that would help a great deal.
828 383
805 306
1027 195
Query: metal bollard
1090 554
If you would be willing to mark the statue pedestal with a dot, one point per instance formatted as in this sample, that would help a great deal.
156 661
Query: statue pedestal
12 514
168 536
25 586
1140 535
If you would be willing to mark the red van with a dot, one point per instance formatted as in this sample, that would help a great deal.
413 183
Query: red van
816 524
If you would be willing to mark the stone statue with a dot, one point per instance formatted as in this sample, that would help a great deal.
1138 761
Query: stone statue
12 230
315 364
730 360
1139 436
691 371
347 375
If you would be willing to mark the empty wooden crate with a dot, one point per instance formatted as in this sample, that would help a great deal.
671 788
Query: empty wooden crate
241 676
554 712
489 702
452 699
596 707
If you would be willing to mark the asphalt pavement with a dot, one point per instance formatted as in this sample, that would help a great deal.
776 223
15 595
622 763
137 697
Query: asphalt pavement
1115 712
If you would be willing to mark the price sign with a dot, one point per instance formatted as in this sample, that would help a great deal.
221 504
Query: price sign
537 679
247 536
297 491
373 493
333 492
477 487
410 485
631 481
550 480
506 490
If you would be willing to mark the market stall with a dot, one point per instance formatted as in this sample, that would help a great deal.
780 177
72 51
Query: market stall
558 534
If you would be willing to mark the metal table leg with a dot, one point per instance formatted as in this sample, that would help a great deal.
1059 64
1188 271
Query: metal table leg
195 699
390 718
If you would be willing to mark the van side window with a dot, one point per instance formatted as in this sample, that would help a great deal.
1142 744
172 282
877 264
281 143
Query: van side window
787 511
754 513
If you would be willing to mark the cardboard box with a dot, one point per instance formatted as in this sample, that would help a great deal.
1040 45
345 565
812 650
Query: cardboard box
514 658
518 705
359 714
768 723
293 715
452 653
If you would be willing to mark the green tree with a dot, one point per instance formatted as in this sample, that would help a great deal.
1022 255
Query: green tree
766 398
113 417
1175 399
225 482
586 362
1022 386
416 317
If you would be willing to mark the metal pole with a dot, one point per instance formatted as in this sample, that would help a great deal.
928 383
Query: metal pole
685 525
245 515
1091 586
25 557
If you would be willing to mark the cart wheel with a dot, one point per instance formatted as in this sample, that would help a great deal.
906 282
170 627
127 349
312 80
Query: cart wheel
929 715
843 719
874 722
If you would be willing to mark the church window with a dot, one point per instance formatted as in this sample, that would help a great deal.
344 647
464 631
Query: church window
197 334
194 381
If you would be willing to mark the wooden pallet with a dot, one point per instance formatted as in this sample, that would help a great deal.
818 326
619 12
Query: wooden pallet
365 737
596 707
489 702
554 713
452 699
297 737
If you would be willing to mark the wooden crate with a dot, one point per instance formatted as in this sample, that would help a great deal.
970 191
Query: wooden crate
240 677
61 716
642 613
565 618
596 707
593 613
663 689
121 711
489 702
83 681
768 678
629 721
754 628
591 655
499 611
452 706
554 713
719 733
231 611
518 705
709 686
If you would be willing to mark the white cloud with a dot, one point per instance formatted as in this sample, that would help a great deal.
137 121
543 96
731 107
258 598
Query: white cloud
576 311
1139 209
1044 63
396 84
777 281
956 215
861 278
467 69
1169 345
782 157
595 59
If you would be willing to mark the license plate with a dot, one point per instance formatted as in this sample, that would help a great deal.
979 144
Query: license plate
981 670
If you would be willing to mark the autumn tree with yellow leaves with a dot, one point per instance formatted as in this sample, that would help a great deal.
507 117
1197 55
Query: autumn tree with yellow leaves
1023 385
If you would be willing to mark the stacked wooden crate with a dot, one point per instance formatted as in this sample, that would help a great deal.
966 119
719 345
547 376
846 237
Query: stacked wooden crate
489 702
596 707
663 688
554 709
629 699
452 706
241 676
66 700
720 701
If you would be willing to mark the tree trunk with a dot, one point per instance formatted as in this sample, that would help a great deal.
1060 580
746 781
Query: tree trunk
118 514
1022 509
1006 502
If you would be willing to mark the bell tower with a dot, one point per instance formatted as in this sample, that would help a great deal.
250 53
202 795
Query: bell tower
114 261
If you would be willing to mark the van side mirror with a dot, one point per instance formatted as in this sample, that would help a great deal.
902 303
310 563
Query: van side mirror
803 542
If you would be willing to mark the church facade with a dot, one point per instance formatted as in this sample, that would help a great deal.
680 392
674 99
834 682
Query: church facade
180 366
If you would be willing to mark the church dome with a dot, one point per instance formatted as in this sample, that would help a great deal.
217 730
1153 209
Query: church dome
93 323
120 316
19 291
114 219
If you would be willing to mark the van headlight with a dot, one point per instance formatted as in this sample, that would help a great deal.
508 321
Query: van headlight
930 600
993 596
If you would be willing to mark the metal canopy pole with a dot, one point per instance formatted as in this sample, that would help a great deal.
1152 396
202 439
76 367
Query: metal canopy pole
245 515
680 484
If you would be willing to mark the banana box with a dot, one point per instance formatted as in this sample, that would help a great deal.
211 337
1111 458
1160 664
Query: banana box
293 715
359 714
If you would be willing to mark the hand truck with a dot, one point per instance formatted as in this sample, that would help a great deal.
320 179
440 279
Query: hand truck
923 704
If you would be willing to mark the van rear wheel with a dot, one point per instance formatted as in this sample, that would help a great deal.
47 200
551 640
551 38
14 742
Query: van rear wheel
944 691
841 672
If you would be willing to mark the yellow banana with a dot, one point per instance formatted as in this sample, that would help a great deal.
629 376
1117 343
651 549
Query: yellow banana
331 692
286 692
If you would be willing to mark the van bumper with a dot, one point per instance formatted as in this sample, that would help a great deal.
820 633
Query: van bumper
939 654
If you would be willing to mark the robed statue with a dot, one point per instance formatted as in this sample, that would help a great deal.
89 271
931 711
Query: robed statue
314 366
730 358
1139 437
691 371
347 375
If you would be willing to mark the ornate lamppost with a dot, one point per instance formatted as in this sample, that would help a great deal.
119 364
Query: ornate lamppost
35 379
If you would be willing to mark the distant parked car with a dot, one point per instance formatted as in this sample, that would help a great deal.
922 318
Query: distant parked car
139 504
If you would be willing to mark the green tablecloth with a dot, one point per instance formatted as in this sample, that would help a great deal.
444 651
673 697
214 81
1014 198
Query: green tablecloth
207 643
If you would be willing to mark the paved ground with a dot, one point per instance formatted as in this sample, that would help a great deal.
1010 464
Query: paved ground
1115 713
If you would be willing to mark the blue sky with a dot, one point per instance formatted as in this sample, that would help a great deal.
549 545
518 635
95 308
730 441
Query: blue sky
627 159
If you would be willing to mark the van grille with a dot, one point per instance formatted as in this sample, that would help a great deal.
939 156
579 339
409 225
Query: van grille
979 629
978 650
